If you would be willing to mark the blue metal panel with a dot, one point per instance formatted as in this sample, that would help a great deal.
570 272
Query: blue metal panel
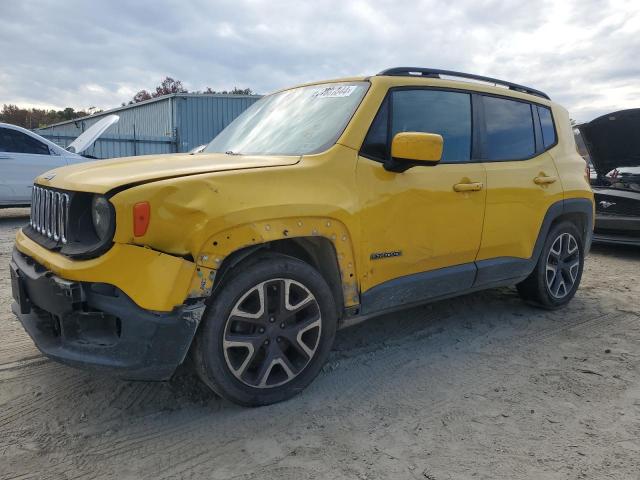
199 118
112 146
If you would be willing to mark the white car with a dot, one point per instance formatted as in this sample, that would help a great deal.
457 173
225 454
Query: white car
25 155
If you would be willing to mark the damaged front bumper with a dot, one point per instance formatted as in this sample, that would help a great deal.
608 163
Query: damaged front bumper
97 326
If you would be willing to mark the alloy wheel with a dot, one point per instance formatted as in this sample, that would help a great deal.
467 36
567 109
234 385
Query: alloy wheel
272 333
563 265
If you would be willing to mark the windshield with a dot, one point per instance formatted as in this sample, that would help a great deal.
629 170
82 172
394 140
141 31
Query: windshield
293 122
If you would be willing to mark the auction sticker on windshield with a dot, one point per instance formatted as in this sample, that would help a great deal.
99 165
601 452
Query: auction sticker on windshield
333 92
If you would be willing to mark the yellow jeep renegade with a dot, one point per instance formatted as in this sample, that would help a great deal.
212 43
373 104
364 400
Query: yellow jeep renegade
318 206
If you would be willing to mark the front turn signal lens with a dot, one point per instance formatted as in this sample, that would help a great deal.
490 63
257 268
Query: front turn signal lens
141 217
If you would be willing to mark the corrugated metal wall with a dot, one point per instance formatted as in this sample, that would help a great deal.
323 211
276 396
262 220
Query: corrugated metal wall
175 123
111 146
200 118
150 118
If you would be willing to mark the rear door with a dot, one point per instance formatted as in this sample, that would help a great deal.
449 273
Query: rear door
22 159
522 183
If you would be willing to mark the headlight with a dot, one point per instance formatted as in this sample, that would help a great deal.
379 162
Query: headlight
102 217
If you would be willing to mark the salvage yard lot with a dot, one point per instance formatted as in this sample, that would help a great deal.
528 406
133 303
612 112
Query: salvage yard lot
482 386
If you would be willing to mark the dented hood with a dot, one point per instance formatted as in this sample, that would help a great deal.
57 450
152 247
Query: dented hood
613 140
104 175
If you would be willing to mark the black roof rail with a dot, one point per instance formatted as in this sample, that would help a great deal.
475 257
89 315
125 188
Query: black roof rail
435 73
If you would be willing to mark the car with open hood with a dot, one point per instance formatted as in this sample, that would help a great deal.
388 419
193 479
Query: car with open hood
24 155
612 145
319 206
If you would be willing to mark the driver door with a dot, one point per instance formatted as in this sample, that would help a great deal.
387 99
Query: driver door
421 228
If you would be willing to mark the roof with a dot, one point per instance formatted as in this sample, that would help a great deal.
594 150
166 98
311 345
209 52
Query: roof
433 73
147 102
437 73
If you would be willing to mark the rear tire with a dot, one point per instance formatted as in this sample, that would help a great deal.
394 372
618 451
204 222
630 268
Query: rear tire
267 332
557 274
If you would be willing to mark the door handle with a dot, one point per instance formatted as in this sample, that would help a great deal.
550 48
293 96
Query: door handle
468 187
544 180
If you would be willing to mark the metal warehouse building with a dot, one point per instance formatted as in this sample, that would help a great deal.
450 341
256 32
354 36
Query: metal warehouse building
168 124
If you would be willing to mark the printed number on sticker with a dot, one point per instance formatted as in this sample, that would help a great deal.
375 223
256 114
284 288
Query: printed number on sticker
332 92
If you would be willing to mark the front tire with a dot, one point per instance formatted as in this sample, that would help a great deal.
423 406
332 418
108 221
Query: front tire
267 333
557 275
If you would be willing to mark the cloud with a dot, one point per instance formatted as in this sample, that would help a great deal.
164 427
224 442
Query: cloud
81 54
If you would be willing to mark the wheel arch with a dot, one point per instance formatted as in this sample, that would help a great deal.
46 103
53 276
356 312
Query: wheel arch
318 252
579 219
324 243
578 211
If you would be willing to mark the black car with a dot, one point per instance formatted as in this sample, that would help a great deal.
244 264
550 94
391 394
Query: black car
612 143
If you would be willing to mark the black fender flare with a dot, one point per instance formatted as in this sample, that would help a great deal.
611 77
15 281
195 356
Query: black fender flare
580 206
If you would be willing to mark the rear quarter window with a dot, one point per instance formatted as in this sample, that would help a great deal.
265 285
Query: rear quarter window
546 123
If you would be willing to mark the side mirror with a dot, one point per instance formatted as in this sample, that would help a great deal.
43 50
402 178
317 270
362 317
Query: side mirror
409 149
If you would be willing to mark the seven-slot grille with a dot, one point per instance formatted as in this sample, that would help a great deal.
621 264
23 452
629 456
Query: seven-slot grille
50 213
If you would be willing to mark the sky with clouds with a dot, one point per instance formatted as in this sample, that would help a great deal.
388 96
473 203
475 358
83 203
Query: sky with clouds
584 54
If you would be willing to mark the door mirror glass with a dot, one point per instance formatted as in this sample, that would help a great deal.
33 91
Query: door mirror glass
417 147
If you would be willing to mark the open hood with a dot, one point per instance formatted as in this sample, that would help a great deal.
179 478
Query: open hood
613 140
89 136
104 175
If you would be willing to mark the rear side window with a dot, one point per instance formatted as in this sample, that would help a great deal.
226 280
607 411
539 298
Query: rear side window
548 131
509 129
18 142
430 111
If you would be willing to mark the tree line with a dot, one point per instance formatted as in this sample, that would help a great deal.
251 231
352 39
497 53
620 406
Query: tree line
40 117
169 86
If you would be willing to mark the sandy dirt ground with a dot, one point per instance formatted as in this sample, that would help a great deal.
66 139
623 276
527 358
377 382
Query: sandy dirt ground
480 387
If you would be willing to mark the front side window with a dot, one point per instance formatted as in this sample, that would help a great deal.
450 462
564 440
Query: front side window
509 129
6 142
429 111
298 121
18 142
376 145
433 111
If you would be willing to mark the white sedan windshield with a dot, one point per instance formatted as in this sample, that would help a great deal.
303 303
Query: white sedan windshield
293 122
